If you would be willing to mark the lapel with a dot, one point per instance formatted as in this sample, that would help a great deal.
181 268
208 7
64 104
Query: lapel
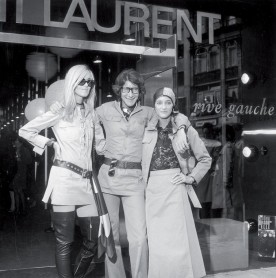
118 108
137 109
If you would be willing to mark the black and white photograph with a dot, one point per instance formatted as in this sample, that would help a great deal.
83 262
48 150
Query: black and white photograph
137 138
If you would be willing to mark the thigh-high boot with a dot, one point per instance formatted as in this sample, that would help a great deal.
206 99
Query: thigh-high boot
89 229
64 225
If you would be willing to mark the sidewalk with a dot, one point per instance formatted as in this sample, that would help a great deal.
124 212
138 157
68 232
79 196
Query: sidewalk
28 252
269 272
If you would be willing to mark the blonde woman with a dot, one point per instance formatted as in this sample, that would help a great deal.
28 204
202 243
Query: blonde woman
174 249
69 185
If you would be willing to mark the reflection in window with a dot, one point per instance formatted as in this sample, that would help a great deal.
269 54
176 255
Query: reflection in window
201 61
214 58
217 23
232 20
205 24
231 54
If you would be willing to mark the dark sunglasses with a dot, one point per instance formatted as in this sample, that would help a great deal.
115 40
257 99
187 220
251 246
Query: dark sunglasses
113 164
90 83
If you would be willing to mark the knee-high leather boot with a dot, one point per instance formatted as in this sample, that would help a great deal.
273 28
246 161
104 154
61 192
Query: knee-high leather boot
89 228
64 225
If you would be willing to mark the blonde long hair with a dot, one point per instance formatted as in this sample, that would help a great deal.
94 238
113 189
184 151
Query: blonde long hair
72 79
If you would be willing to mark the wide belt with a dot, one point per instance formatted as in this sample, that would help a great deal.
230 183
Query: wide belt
123 164
73 167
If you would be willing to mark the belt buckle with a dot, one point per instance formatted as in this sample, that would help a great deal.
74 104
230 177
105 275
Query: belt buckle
84 173
113 165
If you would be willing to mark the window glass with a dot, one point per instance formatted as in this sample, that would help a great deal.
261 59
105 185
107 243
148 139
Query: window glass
231 54
201 61
214 58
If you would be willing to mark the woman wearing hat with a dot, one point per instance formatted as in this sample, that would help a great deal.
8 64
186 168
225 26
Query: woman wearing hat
69 185
174 249
124 121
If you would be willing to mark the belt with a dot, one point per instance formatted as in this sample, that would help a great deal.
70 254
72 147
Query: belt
73 167
123 164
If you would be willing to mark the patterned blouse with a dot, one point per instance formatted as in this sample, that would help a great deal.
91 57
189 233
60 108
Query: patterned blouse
164 156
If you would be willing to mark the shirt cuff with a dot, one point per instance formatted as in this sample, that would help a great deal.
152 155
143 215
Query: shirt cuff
38 150
180 127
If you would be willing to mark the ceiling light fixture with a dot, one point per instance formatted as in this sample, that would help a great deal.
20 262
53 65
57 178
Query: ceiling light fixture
97 60
129 39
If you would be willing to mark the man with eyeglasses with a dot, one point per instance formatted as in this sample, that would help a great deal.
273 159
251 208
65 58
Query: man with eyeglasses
120 176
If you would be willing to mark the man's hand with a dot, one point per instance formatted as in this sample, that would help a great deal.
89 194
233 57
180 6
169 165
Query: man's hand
56 107
181 141
51 142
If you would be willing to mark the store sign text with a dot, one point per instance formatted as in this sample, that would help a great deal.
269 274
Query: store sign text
235 110
142 16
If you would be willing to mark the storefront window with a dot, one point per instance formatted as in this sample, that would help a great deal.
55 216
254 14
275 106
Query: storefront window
236 122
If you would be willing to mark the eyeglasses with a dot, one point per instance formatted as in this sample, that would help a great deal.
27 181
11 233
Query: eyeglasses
90 83
126 90
113 164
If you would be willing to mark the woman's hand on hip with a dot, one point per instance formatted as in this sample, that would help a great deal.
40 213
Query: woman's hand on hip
182 178
179 178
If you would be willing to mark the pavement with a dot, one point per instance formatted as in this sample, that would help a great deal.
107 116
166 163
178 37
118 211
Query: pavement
269 272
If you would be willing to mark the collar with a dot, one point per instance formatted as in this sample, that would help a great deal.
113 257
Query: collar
127 110
167 128
136 109
152 125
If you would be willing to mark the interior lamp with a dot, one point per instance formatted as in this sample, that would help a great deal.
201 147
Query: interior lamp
250 152
247 78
